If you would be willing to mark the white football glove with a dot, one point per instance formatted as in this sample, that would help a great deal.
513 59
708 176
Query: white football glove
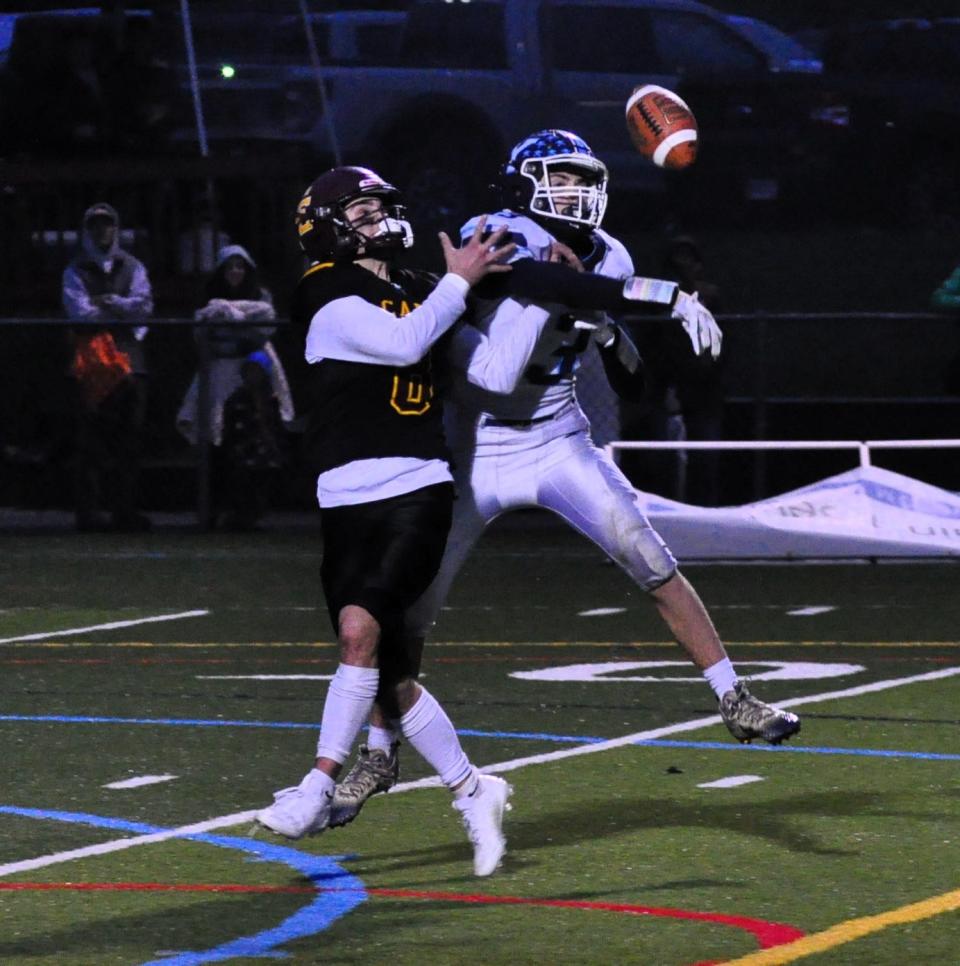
699 324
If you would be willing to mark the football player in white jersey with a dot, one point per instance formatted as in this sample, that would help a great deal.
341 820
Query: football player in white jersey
528 444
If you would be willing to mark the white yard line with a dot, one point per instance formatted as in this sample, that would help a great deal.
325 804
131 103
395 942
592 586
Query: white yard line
140 781
104 848
113 625
238 818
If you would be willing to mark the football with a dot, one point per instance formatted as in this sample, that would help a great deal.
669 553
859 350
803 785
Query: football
662 127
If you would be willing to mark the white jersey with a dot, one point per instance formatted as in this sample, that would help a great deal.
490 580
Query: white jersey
546 386
529 446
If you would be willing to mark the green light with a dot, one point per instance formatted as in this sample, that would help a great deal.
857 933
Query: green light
227 72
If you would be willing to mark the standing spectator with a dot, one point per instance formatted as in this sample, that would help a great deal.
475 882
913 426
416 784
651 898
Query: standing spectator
240 306
243 309
252 443
684 398
102 286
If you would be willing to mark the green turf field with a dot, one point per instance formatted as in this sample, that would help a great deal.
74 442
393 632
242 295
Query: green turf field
640 831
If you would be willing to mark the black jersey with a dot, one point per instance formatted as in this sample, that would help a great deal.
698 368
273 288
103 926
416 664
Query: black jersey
362 410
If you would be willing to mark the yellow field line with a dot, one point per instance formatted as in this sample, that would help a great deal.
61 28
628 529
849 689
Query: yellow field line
845 932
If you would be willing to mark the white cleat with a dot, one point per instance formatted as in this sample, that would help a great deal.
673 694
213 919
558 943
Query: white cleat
482 816
303 809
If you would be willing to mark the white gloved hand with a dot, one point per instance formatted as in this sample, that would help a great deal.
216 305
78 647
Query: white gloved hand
699 324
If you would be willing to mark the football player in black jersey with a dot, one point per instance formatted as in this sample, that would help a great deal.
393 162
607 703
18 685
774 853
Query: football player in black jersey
384 485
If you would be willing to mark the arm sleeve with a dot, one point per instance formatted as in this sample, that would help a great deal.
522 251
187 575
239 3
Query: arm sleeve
76 299
497 360
624 367
560 284
354 330
139 303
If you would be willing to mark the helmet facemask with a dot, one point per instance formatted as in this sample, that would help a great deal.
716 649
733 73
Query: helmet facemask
580 205
394 232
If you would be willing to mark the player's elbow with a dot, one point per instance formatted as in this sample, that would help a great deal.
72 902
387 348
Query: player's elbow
402 357
498 383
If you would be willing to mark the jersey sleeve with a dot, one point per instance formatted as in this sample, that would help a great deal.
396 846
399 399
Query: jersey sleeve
352 329
495 360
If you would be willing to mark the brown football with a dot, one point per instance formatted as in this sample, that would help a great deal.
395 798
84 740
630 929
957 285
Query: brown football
662 127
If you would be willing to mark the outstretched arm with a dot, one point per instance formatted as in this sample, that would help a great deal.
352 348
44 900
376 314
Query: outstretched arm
496 361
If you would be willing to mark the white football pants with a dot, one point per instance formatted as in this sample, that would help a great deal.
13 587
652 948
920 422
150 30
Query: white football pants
553 465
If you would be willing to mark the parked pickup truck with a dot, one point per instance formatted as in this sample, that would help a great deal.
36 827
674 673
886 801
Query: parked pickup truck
437 98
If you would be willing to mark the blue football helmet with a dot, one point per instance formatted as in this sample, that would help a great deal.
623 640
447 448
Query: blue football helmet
526 178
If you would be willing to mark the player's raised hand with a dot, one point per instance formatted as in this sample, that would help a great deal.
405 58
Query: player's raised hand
479 256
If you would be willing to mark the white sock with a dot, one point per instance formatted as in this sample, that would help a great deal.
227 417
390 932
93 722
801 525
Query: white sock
316 784
721 677
427 727
348 705
380 739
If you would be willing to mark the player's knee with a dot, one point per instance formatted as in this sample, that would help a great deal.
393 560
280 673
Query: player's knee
647 560
359 635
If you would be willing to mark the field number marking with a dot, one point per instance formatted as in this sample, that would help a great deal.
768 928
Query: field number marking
615 671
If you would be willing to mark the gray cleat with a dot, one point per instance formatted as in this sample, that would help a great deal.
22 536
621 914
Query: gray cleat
373 771
747 718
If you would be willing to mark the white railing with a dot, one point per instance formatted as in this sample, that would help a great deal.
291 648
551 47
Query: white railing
863 447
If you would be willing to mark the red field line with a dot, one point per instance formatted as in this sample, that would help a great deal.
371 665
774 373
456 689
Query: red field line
767 934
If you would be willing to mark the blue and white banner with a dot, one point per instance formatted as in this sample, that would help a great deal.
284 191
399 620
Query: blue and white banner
866 512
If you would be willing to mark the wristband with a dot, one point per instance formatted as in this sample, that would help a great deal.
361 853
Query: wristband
657 290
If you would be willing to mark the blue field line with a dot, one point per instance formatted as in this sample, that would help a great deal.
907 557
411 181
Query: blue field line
501 735
807 750
221 723
327 907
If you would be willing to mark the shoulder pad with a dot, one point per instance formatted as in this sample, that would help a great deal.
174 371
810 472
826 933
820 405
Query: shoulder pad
616 261
531 240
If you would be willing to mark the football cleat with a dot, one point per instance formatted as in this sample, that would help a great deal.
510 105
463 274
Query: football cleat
747 718
482 816
303 809
373 771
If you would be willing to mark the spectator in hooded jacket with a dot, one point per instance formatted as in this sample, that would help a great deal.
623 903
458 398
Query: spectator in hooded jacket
242 310
107 289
